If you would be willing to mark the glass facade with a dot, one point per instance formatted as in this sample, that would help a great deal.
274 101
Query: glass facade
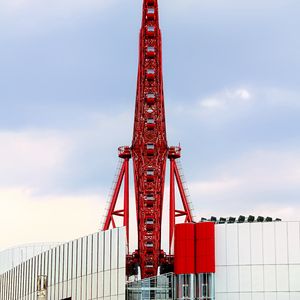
83 269
159 287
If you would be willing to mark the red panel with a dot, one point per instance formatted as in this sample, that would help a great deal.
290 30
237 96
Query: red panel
184 248
205 247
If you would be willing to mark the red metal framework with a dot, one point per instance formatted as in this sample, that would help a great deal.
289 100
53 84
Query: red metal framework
149 152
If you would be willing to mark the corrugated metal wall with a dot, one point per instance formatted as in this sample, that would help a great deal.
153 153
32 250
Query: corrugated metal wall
12 257
92 267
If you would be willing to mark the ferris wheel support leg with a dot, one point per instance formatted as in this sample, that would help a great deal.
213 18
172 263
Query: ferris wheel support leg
172 203
185 203
109 217
126 198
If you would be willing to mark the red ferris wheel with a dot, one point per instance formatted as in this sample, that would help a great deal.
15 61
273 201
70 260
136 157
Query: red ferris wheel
149 152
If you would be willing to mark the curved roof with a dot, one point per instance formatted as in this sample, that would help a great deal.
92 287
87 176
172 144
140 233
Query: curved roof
9 258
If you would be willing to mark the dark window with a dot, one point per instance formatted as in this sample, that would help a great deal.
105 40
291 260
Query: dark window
185 290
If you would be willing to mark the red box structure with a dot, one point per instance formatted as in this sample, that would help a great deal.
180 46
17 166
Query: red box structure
205 247
184 248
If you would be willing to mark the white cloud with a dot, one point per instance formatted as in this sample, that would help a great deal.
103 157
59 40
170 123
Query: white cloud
27 218
33 160
31 17
29 156
280 97
233 104
226 99
270 169
261 182
220 106
38 158
243 94
285 211
52 6
211 103
214 187
178 6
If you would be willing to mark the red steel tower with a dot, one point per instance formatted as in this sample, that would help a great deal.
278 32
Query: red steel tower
149 152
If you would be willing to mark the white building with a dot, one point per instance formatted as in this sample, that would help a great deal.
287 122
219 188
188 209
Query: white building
91 267
12 257
253 261
258 261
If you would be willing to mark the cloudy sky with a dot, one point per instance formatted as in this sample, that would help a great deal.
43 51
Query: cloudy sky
67 88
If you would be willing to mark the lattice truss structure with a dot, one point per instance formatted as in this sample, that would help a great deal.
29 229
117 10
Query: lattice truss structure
149 152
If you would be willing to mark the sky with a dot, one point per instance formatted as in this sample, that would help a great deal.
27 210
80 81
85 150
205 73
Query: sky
67 91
